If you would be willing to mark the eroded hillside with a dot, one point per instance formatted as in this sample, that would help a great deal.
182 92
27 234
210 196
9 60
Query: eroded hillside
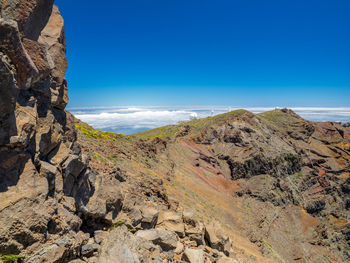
277 185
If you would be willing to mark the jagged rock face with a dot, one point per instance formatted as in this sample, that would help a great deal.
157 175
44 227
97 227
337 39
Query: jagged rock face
31 15
43 175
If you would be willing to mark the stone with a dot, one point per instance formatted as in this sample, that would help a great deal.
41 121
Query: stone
207 249
193 255
31 15
50 172
149 217
99 236
53 37
59 95
27 73
73 165
59 155
8 127
195 231
217 238
179 248
122 246
89 249
172 221
166 239
225 259
40 57
106 201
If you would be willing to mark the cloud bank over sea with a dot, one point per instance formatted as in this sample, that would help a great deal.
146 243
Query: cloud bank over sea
130 120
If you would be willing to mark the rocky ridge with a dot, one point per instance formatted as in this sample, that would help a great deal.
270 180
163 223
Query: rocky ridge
273 184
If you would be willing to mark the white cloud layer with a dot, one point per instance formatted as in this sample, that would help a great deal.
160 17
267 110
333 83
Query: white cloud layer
133 119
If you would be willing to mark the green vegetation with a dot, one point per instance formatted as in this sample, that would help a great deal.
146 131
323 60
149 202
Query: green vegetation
200 125
132 230
292 158
279 119
196 126
169 131
117 224
272 251
9 258
91 133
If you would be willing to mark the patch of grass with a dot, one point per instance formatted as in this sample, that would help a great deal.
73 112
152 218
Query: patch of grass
132 230
117 224
104 136
201 125
99 157
169 131
112 159
279 119
196 126
292 158
9 258
272 251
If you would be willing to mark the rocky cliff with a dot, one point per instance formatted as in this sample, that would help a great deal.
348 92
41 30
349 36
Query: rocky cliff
44 178
236 187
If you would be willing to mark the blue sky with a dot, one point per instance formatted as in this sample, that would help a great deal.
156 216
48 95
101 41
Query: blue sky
200 52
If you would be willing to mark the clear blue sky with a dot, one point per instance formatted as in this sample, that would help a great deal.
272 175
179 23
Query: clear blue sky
201 52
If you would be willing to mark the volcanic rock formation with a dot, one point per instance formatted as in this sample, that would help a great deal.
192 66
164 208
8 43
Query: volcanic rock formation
236 187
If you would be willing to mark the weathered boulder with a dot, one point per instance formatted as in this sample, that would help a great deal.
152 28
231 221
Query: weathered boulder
193 255
89 249
194 229
122 246
217 238
172 220
166 239
227 260
99 236
149 217
103 206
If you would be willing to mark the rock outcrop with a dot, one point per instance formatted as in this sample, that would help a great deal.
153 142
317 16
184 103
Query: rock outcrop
44 177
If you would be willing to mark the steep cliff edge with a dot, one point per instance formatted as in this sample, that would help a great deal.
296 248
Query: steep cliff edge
44 178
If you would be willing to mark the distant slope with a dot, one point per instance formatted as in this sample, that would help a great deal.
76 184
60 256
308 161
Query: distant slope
278 184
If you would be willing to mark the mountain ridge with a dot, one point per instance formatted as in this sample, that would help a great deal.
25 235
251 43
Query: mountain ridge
237 187
255 179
